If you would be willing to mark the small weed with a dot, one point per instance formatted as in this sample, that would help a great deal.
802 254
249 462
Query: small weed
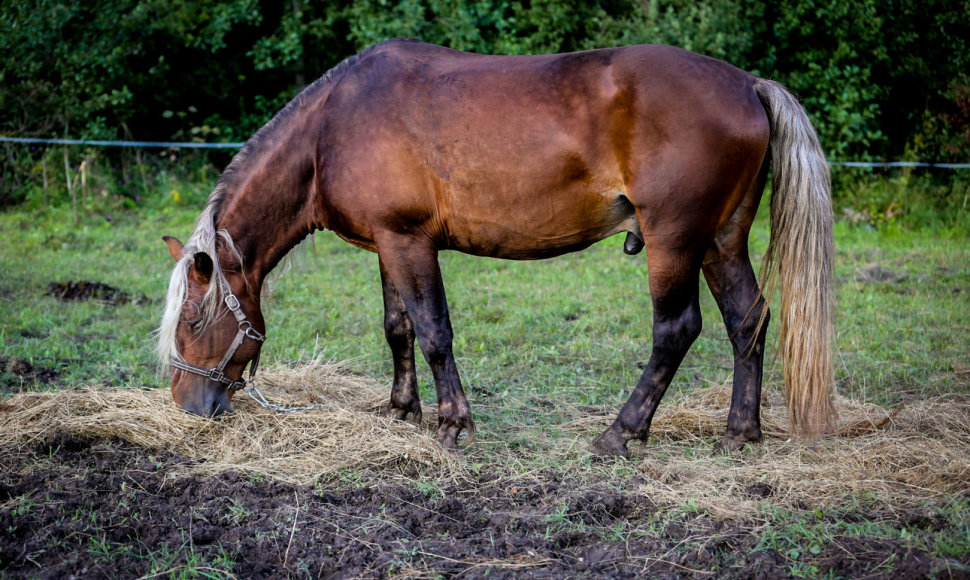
224 560
953 543
238 513
559 515
429 489
23 506
690 506
104 550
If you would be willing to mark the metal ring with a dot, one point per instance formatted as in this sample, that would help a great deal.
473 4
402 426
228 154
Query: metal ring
250 332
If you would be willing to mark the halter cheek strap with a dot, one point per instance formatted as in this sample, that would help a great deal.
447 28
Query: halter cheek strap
245 331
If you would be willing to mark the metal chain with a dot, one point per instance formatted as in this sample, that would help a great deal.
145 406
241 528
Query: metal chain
257 396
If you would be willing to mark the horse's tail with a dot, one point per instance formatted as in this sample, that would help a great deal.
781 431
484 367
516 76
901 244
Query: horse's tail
799 258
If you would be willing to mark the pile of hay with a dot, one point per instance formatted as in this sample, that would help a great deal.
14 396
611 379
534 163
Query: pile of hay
295 447
885 458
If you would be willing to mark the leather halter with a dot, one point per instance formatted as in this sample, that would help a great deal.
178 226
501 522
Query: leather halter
246 330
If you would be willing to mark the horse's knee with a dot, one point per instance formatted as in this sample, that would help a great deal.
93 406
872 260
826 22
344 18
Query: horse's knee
398 328
678 332
436 344
692 323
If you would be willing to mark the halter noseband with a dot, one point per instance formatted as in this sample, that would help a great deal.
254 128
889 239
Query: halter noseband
246 330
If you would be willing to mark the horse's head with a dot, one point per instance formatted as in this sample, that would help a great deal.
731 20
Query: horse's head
212 328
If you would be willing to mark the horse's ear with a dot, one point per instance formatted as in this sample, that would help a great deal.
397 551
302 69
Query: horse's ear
203 267
175 247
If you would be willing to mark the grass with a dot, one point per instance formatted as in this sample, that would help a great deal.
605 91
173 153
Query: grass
533 340
572 327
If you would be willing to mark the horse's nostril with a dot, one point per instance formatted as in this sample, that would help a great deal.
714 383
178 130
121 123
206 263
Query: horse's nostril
219 406
193 410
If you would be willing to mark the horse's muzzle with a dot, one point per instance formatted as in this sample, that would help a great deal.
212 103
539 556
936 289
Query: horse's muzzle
213 403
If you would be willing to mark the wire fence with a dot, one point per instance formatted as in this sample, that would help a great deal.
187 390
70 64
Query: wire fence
102 143
193 145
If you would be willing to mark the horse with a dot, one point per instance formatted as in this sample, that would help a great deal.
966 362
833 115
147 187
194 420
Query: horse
408 149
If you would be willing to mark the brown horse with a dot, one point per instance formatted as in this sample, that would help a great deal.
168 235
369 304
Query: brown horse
407 149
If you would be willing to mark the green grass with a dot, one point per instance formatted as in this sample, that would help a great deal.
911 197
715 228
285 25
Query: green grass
908 336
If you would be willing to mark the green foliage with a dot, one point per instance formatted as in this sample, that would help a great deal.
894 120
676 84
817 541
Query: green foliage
879 78
824 52
926 108
724 30
909 199
88 67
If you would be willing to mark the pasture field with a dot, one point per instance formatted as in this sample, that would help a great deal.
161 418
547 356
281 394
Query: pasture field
547 350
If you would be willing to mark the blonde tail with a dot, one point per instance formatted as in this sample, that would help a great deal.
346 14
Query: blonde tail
799 258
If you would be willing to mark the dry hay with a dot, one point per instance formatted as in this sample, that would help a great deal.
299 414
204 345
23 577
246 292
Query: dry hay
881 459
294 447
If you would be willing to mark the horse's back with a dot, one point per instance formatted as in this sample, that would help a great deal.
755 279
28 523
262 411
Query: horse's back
530 156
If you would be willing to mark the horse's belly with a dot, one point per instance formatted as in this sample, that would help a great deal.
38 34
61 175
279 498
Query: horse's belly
540 226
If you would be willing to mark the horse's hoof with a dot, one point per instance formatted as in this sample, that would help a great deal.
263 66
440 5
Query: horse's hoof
448 440
728 446
449 430
610 444
734 443
412 415
392 413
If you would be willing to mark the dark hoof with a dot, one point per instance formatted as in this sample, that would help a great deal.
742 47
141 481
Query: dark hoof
610 444
449 440
734 443
413 414
449 431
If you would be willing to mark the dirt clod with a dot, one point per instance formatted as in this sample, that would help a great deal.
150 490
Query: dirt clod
98 291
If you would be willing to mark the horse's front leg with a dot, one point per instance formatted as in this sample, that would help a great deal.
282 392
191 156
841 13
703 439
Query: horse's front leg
399 331
411 266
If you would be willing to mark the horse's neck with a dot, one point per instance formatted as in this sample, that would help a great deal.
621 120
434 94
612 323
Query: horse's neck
270 206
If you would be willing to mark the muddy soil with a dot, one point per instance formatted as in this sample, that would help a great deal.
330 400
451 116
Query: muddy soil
16 372
77 509
97 291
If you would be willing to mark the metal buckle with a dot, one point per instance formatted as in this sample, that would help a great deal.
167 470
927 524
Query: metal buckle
218 376
232 303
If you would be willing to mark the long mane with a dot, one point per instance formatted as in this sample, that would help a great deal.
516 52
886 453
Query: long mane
206 235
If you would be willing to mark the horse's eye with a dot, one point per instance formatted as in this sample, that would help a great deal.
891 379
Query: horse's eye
192 315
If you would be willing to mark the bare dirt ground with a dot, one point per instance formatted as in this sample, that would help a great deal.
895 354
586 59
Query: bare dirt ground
109 509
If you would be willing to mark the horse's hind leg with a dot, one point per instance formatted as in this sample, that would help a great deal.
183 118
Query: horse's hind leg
731 279
411 266
399 331
676 324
